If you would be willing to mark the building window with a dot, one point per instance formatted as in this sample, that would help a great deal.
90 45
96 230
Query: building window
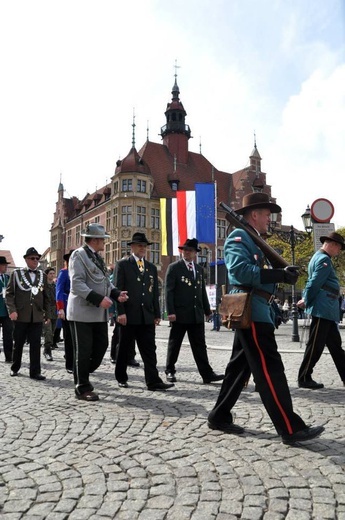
221 228
127 185
116 186
155 213
124 249
77 235
203 256
54 242
115 218
97 219
141 186
220 253
141 216
154 254
174 186
108 220
126 217
69 239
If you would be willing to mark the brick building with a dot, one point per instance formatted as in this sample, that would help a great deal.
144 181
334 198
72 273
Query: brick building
130 202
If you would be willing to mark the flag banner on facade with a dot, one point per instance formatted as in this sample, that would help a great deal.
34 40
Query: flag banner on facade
186 215
169 228
190 215
205 212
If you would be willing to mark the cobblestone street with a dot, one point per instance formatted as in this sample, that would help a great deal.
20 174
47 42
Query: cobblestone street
141 455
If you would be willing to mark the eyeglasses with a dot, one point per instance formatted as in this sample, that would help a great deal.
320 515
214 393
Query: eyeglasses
33 258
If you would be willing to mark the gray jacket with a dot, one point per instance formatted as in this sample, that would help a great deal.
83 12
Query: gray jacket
89 284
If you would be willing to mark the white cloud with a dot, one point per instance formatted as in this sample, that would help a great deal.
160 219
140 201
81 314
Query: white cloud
307 156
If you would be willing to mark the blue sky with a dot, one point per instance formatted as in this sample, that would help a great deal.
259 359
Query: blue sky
73 71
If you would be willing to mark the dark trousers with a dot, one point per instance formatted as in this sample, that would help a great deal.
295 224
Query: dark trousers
48 333
196 336
322 333
255 350
145 336
32 332
7 336
114 347
90 343
68 345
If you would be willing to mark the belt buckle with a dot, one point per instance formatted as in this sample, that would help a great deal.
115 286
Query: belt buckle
271 299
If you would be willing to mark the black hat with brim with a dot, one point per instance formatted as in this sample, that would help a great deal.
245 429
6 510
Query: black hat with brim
191 243
31 251
139 238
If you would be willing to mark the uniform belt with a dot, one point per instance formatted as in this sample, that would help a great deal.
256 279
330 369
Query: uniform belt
269 297
331 290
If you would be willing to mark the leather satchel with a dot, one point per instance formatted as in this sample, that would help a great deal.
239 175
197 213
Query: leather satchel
236 310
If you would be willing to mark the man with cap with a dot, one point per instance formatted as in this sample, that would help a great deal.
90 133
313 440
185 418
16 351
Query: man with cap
28 306
5 320
187 305
91 295
321 301
140 315
255 349
63 286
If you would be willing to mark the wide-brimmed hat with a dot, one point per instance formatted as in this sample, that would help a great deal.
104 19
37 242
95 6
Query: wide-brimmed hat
334 237
139 238
94 230
190 243
66 257
257 200
31 251
3 260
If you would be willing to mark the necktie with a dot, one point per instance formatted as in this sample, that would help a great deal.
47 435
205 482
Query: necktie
140 264
190 267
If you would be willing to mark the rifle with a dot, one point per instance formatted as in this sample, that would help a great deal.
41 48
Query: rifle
240 222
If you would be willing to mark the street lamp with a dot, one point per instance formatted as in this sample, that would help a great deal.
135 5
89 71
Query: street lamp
292 238
307 220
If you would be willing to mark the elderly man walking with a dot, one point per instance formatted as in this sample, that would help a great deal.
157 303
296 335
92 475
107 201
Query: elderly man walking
90 297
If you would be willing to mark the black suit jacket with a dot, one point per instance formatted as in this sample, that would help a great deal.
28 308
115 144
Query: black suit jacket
142 306
186 297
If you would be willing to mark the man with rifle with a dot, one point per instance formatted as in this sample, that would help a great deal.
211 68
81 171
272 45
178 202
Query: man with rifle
254 266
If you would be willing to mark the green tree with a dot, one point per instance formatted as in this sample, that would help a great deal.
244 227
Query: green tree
304 250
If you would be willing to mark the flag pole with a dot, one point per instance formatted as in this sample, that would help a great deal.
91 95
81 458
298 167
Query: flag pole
215 246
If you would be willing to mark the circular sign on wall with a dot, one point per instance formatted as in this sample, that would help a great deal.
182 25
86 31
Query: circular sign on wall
322 210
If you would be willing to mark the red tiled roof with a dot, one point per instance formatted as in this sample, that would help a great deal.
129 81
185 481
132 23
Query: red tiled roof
197 169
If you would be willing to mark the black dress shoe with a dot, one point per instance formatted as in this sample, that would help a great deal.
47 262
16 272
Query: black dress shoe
87 396
13 373
171 377
226 427
213 377
160 386
48 356
113 361
133 363
38 377
313 385
303 435
123 385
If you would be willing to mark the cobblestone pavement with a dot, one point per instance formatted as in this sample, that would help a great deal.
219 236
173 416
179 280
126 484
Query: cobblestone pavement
145 455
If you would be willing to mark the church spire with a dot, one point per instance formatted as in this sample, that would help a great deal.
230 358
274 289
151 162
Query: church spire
175 133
